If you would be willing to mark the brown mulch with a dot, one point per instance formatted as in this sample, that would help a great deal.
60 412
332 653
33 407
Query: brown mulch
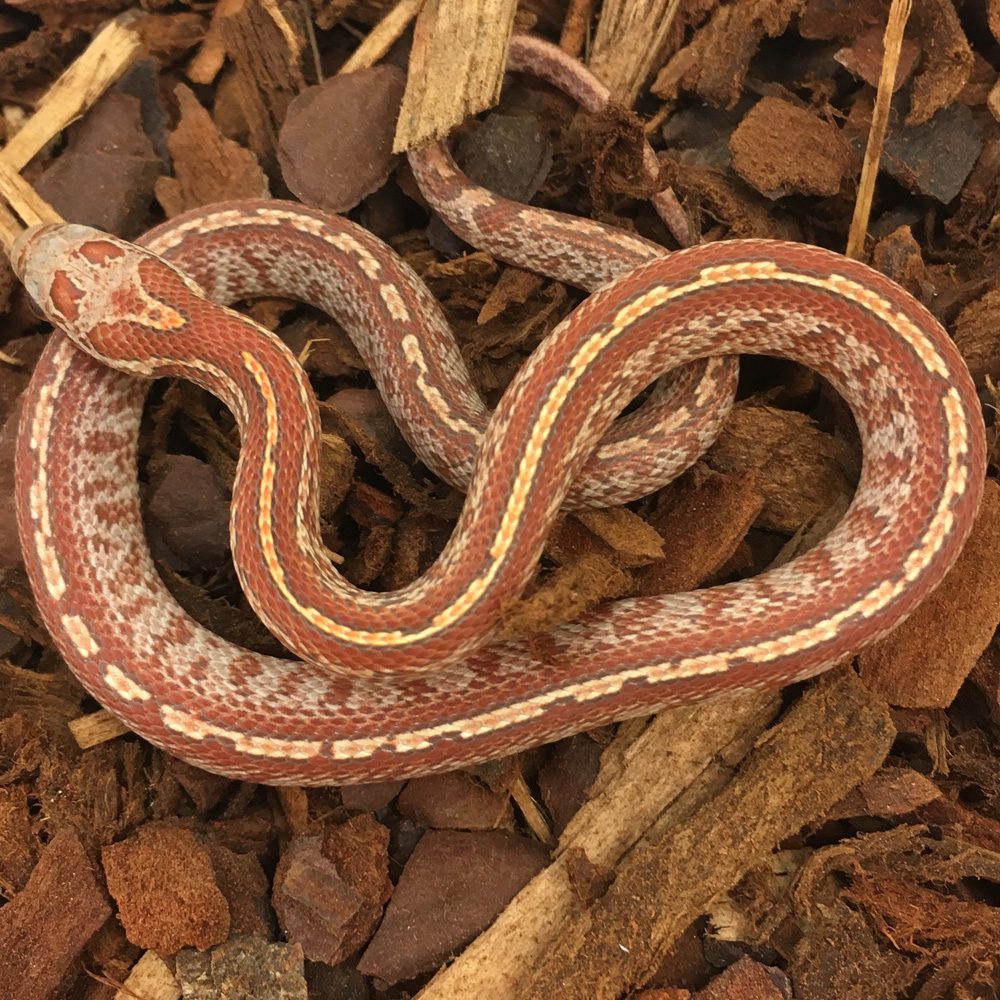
840 840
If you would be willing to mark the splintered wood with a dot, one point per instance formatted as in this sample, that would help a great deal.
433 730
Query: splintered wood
109 54
629 44
456 66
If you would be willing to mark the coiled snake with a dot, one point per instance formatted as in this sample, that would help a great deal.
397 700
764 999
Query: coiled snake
407 682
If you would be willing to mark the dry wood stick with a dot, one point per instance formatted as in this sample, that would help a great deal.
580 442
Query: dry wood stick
898 16
456 66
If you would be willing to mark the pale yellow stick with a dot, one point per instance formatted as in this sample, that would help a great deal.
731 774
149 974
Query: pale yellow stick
383 36
110 53
898 15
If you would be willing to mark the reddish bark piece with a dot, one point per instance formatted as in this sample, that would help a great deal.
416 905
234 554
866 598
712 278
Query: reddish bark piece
206 790
864 58
266 54
23 748
923 663
747 980
565 777
716 62
243 967
18 846
322 346
165 888
977 335
242 881
454 801
801 471
588 881
207 166
370 797
898 256
168 36
101 794
685 962
335 145
83 15
947 64
23 351
44 929
892 791
340 982
703 519
190 508
370 507
368 423
360 416
825 20
452 888
780 149
330 887
890 910
955 820
986 676
630 538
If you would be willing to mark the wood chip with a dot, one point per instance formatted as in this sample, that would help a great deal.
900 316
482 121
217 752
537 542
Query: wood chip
947 63
923 663
890 909
455 801
243 967
977 335
330 887
45 927
452 887
207 166
150 979
164 863
383 36
95 728
456 66
266 51
628 44
715 63
702 520
748 980
913 153
630 794
105 59
835 736
802 472
782 149
335 146
18 844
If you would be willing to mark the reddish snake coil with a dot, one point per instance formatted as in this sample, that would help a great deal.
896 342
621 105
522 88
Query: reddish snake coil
401 683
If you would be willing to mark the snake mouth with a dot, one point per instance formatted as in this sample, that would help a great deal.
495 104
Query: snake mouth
31 254
22 246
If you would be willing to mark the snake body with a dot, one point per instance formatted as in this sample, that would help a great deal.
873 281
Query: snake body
403 683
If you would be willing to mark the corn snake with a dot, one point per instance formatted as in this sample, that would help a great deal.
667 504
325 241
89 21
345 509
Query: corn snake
251 716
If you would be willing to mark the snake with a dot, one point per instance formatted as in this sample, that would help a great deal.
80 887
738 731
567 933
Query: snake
413 681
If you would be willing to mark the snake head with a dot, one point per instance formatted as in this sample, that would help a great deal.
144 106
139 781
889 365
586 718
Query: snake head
95 286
